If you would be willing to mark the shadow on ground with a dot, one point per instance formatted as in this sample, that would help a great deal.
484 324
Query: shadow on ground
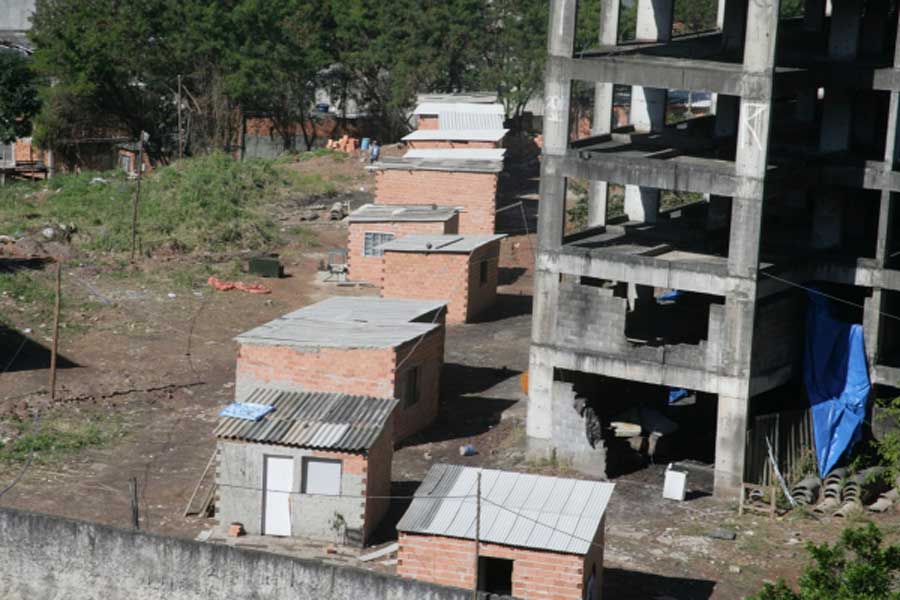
401 492
622 584
21 353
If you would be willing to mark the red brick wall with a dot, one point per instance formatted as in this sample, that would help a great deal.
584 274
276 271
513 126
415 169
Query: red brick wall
426 144
363 371
476 193
428 355
378 479
450 561
428 122
368 372
421 276
594 558
370 268
454 278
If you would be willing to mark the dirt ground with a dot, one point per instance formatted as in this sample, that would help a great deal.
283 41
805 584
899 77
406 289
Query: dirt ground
162 361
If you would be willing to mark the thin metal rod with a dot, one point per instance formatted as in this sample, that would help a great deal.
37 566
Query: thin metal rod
55 347
477 533
180 139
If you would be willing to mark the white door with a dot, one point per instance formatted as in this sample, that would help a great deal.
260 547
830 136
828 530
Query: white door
278 483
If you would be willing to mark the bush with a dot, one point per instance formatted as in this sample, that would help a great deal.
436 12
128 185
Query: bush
855 568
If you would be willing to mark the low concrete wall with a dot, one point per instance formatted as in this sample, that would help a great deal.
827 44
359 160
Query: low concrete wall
49 558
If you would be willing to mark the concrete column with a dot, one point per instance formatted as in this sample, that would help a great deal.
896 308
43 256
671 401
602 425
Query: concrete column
743 252
598 193
557 97
654 20
872 325
720 15
648 113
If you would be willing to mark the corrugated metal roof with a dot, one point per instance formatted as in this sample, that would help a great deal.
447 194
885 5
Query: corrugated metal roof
349 322
468 135
437 164
517 509
312 420
442 108
402 212
452 243
470 97
457 153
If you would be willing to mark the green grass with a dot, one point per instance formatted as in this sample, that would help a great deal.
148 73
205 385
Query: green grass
29 291
58 436
207 203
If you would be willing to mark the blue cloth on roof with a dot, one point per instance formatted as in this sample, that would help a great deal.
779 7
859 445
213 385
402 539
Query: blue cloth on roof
837 383
246 410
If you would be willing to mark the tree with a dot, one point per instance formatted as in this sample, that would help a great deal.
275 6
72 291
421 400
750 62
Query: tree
855 568
18 96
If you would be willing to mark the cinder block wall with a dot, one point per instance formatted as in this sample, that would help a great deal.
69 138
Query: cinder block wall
447 144
591 318
427 354
450 561
362 371
370 268
239 475
475 193
779 331
429 276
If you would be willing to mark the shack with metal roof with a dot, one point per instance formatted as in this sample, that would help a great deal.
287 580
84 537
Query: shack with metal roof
315 465
459 115
368 346
372 225
538 536
461 270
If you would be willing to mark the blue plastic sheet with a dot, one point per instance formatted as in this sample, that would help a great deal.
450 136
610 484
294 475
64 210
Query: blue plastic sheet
675 394
246 410
837 382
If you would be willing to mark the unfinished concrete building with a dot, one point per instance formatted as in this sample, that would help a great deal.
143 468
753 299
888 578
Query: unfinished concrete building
791 184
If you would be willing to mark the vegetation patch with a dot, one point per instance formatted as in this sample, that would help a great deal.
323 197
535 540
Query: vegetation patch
57 436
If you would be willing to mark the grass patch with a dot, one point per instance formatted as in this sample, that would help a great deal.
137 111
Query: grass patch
207 203
58 436
30 292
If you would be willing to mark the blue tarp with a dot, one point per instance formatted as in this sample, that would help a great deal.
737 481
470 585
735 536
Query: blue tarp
675 394
837 381
246 410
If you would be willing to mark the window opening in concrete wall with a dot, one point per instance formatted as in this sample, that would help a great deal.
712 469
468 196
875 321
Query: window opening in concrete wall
321 476
410 387
373 241
661 318
495 575
889 338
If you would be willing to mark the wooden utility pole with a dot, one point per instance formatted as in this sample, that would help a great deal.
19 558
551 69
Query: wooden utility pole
180 141
55 347
137 193
135 515
477 533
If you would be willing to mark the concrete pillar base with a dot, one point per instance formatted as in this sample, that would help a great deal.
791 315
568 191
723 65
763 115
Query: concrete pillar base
731 433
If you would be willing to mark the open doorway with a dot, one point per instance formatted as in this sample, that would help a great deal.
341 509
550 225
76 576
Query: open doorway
495 575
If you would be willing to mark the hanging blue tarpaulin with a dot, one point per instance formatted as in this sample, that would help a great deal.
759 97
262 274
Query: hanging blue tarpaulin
837 381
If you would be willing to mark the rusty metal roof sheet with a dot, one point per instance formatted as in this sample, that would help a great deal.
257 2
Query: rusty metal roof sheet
312 420
517 509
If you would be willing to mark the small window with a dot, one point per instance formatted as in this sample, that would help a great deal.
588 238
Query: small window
483 270
321 476
495 575
373 241
410 391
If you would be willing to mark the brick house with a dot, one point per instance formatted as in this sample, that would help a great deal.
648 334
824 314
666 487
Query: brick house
317 466
458 269
372 225
385 348
468 184
459 115
540 537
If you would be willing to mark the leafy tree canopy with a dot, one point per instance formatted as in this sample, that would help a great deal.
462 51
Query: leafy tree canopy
18 96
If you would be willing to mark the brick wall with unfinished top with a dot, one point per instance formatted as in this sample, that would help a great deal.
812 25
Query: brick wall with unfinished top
371 268
536 574
453 278
474 193
378 372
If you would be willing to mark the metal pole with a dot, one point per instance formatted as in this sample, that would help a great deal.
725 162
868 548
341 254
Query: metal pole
477 533
137 197
54 348
180 142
